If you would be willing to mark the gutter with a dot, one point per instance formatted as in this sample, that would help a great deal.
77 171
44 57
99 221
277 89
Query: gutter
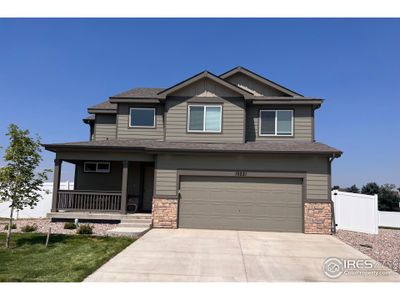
134 100
288 101
101 111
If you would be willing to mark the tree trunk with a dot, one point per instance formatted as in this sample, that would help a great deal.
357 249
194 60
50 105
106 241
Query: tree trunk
9 228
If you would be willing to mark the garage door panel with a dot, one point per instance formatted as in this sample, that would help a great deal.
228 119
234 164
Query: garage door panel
238 223
240 209
273 204
235 196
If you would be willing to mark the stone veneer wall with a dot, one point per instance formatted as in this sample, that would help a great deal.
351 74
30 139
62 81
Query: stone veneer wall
318 217
165 213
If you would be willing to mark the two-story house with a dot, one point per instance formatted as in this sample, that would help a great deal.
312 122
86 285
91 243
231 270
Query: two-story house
234 151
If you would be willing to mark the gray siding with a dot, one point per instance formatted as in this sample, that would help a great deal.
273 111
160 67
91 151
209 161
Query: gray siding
316 167
125 132
205 88
302 126
232 120
317 186
105 127
99 181
254 86
108 181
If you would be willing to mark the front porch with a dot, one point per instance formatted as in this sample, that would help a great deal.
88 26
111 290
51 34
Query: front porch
104 189
94 217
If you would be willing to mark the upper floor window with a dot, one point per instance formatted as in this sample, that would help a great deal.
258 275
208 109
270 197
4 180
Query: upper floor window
96 167
276 123
204 118
142 117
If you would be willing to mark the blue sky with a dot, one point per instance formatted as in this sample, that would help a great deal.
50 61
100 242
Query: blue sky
51 70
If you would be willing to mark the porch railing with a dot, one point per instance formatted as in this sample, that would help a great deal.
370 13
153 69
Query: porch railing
89 200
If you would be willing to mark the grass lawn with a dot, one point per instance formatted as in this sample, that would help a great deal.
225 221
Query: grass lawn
67 258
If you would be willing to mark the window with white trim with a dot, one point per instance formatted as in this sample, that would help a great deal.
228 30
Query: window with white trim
142 117
204 118
96 167
276 123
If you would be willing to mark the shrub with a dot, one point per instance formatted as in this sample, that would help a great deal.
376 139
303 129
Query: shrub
69 225
29 228
85 229
13 226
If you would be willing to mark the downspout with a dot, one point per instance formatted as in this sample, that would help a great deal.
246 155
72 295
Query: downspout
333 221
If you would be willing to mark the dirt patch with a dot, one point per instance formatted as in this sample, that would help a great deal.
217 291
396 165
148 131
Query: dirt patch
383 247
44 224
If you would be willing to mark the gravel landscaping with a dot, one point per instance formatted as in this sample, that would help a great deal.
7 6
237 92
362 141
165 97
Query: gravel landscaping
383 247
43 226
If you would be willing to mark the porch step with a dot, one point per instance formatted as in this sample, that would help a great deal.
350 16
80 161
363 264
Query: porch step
85 216
138 216
133 225
136 221
134 232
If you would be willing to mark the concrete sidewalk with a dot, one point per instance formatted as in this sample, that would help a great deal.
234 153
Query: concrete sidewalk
219 255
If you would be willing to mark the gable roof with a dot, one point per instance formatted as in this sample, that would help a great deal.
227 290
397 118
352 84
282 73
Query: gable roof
203 75
141 93
260 78
105 107
156 95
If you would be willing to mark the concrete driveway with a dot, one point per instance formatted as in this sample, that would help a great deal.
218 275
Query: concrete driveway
219 255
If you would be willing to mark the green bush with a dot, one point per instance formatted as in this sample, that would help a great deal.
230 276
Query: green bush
85 229
69 225
13 226
29 228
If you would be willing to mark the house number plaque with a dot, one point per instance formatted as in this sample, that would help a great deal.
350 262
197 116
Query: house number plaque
241 173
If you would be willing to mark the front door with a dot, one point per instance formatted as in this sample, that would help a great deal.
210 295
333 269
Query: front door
148 185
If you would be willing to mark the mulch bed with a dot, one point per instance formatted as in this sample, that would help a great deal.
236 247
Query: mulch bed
383 247
44 224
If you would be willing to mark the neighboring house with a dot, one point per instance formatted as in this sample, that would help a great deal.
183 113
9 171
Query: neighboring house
235 151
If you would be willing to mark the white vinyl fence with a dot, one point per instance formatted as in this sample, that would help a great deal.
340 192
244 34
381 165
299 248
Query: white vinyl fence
389 219
42 208
356 212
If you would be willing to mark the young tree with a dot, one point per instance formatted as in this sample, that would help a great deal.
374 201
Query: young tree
371 188
18 182
353 189
388 198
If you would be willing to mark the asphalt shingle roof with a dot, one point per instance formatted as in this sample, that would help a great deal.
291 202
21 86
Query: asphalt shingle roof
139 93
90 118
249 147
104 105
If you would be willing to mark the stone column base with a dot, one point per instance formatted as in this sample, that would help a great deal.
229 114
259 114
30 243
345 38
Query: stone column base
318 217
165 213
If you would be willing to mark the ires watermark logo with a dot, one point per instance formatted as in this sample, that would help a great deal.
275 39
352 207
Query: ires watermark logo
334 267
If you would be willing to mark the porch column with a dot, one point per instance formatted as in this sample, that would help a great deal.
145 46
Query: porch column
56 183
124 190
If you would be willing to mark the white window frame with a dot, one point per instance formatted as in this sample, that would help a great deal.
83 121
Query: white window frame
276 123
97 164
204 118
142 108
